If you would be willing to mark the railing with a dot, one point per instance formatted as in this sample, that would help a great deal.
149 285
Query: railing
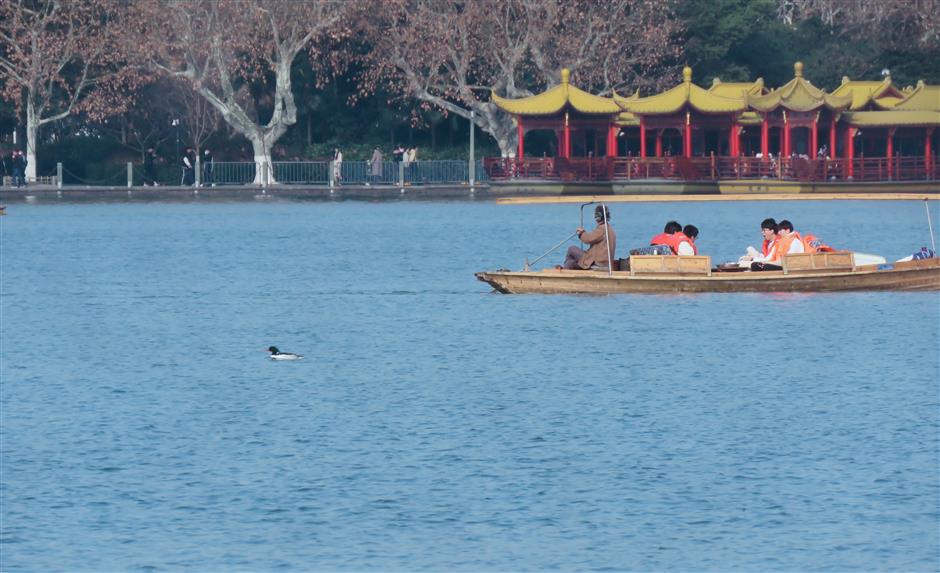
431 172
713 168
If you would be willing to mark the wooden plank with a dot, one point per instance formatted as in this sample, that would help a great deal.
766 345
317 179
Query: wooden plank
818 261
667 264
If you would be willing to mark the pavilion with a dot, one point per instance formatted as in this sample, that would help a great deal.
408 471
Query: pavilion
862 130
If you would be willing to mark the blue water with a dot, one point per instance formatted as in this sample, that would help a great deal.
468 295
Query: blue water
435 425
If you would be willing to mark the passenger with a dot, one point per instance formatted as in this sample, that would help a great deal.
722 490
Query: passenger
597 254
687 244
768 229
789 242
671 228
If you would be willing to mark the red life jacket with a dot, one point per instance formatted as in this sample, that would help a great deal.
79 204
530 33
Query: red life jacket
660 239
679 237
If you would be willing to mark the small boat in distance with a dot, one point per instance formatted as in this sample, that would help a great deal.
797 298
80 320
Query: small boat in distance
808 272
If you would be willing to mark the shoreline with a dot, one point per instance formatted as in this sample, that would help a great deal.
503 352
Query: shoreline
459 192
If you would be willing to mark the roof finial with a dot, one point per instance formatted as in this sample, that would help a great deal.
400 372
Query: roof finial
716 81
798 69
565 75
687 74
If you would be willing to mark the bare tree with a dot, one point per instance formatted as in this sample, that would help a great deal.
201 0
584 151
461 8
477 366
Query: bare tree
452 54
899 22
223 48
53 55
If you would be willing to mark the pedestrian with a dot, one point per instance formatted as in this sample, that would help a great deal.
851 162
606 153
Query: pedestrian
207 167
375 164
150 169
184 167
337 166
19 168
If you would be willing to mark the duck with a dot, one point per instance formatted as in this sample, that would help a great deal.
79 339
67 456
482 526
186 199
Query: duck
278 355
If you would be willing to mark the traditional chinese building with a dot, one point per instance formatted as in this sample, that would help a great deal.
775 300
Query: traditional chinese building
862 130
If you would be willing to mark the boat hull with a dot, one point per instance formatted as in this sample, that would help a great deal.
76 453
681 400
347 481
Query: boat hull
909 276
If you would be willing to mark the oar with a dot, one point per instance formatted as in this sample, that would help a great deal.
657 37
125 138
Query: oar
933 243
566 239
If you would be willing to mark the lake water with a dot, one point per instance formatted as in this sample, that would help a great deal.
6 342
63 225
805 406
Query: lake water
436 425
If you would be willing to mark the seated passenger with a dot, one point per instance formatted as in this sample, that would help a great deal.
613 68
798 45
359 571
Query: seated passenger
671 228
768 229
789 242
597 254
687 241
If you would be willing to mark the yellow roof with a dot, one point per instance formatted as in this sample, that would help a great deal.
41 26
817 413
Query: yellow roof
555 99
798 95
750 118
678 98
923 97
891 118
627 119
864 93
736 89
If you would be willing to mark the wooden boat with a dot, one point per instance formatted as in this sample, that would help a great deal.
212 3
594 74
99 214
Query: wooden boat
816 272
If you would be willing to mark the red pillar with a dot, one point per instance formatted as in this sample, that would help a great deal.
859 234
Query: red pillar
521 134
890 152
732 150
786 136
659 143
687 144
814 137
642 138
850 151
832 138
764 138
612 141
928 158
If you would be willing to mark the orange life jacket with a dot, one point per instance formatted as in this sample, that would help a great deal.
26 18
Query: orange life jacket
660 239
765 248
675 240
813 245
783 245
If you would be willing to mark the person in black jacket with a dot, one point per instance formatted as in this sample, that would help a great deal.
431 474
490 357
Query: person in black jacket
150 159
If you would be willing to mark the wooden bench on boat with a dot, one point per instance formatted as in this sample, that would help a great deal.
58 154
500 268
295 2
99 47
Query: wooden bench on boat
670 264
818 262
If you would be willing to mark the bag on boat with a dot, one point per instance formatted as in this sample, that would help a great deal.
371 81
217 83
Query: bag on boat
923 253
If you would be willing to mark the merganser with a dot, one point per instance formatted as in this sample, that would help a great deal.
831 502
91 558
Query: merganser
278 355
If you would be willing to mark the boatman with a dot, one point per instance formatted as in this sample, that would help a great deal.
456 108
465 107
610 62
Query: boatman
598 253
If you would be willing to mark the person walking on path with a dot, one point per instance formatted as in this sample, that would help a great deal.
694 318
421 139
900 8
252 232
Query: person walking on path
207 167
375 165
189 169
150 169
337 166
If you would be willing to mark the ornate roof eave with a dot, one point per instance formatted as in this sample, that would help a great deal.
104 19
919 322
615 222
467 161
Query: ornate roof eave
892 118
737 89
798 95
683 96
554 100
864 93
923 97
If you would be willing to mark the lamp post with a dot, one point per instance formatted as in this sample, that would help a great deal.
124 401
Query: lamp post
176 123
473 161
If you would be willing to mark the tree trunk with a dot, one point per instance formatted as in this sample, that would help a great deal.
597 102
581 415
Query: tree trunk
32 139
264 168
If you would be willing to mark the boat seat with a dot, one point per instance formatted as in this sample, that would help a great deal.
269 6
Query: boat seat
670 264
818 262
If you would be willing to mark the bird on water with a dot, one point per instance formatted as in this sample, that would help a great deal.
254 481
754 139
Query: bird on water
278 355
